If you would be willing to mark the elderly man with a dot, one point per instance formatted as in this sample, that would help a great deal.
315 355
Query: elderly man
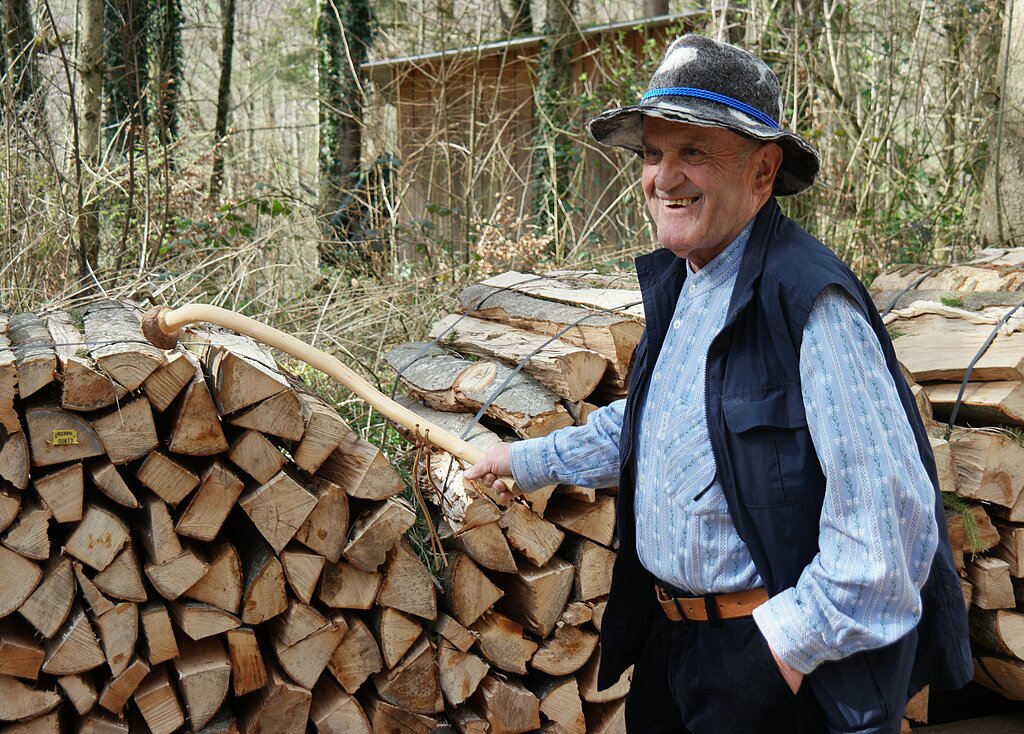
780 565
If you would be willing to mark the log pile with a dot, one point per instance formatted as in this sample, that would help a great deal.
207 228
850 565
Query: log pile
940 319
189 540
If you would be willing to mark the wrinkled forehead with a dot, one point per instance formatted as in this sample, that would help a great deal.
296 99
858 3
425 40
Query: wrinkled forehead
659 131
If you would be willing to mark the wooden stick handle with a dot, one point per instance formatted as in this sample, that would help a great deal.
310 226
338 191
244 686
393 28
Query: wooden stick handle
161 326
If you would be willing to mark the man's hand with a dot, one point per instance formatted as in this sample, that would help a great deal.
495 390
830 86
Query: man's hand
791 675
493 465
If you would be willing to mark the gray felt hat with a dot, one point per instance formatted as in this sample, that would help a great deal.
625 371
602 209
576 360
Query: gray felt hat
712 84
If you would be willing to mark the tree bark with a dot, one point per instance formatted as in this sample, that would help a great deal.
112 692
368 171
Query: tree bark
90 70
127 69
220 132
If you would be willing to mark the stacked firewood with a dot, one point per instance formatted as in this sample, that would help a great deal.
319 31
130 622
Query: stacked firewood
526 583
190 539
940 320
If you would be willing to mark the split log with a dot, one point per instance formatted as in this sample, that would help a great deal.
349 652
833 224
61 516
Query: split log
14 459
486 545
983 402
49 605
29 534
20 576
98 538
594 520
263 593
507 706
173 578
413 684
302 570
106 478
408 585
612 335
305 659
587 679
325 529
118 632
360 468
206 512
34 356
450 383
568 371
248 670
565 652
460 672
91 594
1011 548
221 586
10 504
502 642
335 712
19 702
962 278
469 592
161 644
468 721
124 355
534 537
1005 676
375 532
1000 630
322 432
74 649
84 387
166 382
396 633
593 565
607 718
244 372
278 508
560 703
123 577
388 719
194 424
280 415
454 632
168 479
357 656
79 692
988 466
536 597
62 492
622 300
115 694
20 654
204 671
158 703
254 454
201 621
576 613
127 431
9 418
344 586
280 707
97 722
56 436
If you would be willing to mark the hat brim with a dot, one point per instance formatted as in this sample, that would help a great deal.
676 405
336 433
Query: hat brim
623 128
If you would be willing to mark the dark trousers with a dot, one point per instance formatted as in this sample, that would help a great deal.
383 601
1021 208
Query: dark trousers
715 678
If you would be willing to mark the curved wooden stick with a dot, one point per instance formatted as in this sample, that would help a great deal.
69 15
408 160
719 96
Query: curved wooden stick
162 324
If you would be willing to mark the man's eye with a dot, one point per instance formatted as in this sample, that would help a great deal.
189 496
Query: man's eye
692 153
651 156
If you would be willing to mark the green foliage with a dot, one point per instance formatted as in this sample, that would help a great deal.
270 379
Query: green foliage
952 301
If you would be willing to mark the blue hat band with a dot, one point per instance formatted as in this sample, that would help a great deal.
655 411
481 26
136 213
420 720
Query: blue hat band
714 97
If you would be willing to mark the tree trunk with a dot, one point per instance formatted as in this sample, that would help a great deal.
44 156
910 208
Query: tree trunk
556 150
127 69
518 19
345 33
167 42
23 72
655 8
223 97
1001 220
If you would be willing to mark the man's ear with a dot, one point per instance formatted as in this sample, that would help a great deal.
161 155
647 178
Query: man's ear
769 161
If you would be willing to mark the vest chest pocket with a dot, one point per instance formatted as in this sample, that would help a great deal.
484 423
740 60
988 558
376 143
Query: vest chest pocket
771 446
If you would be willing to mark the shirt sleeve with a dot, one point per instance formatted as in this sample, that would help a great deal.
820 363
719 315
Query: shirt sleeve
586 455
878 528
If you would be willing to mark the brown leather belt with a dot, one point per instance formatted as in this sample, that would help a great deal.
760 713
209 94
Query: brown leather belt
730 606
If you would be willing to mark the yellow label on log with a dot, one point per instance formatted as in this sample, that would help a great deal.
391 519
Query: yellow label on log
67 437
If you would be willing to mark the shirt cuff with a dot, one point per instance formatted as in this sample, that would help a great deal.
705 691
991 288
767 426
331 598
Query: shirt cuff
784 625
530 467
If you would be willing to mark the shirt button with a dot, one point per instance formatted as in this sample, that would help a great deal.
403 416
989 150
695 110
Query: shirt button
676 324
693 287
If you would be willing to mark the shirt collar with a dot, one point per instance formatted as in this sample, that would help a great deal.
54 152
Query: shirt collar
723 267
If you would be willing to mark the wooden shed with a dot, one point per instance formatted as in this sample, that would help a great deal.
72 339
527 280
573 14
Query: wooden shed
465 121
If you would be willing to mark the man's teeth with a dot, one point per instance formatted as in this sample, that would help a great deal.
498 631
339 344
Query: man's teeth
680 202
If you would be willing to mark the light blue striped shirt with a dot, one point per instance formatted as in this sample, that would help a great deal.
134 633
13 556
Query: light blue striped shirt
877 532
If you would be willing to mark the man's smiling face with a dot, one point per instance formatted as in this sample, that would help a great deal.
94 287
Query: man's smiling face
703 185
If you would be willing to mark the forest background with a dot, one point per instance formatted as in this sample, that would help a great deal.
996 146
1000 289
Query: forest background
246 152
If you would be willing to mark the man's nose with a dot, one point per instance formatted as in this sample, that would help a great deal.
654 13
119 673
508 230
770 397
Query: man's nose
670 175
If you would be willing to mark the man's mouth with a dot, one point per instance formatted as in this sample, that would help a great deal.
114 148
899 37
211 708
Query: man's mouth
681 203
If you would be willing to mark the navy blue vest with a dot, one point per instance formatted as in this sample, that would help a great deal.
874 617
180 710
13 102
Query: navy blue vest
756 421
